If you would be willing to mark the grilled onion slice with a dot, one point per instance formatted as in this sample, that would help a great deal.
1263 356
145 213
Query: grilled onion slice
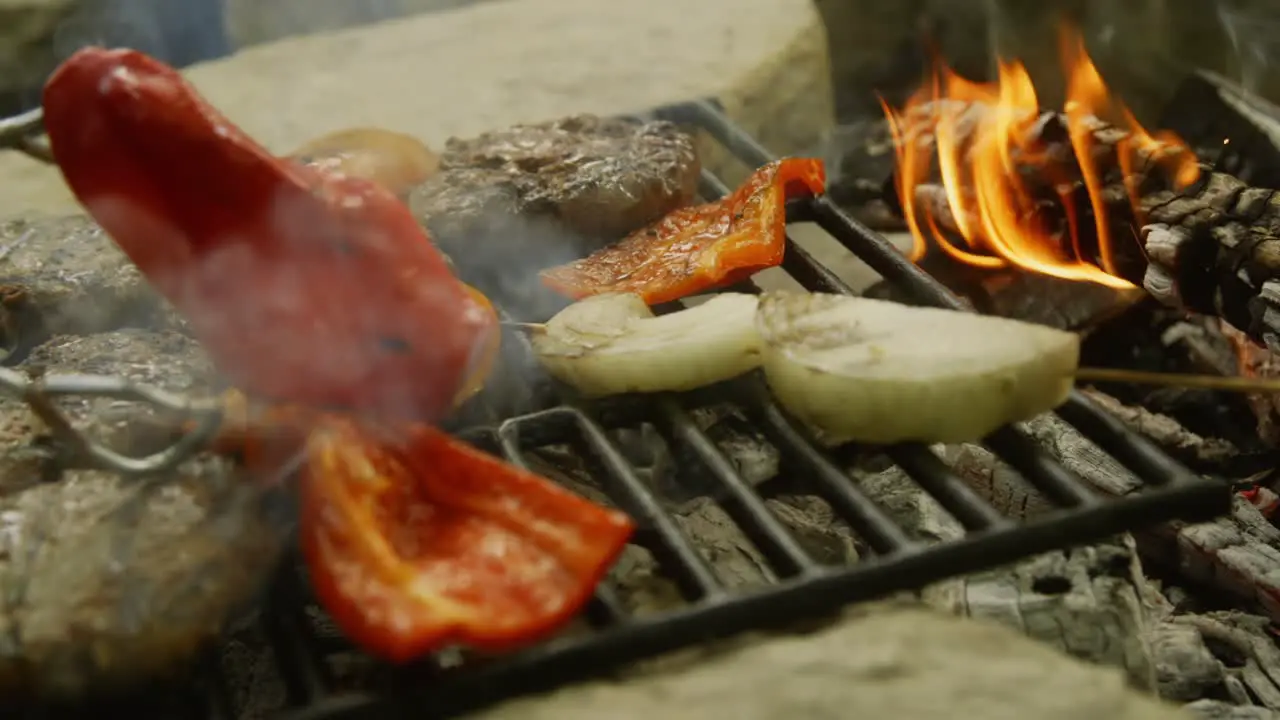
612 344
880 372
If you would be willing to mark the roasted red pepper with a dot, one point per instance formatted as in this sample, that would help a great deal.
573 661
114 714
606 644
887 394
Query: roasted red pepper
320 294
698 248
304 287
423 542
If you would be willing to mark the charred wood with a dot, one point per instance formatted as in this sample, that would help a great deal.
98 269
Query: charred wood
1184 656
1186 669
1238 131
859 156
1085 601
1157 339
1030 297
1260 362
1219 710
1205 454
1237 554
1246 649
1211 248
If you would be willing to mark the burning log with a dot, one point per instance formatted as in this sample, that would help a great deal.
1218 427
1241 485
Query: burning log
1217 251
995 182
1212 247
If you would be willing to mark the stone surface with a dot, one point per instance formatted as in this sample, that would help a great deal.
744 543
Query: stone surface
26 27
880 662
471 69
250 22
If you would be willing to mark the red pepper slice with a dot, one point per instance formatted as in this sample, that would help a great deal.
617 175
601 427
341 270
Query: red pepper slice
425 542
304 287
698 248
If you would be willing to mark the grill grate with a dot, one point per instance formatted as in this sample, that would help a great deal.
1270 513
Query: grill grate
805 589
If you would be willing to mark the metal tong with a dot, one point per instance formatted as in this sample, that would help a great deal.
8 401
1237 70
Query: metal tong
24 133
78 450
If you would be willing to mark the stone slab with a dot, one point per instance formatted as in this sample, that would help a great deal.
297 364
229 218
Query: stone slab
26 27
471 69
881 662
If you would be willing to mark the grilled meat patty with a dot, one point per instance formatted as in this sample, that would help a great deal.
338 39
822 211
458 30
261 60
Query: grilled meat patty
510 202
66 276
109 582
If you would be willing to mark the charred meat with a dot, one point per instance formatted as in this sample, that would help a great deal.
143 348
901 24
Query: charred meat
510 202
65 275
109 582
602 177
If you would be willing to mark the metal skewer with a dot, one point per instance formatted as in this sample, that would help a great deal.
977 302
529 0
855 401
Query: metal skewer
1087 374
22 133
1198 382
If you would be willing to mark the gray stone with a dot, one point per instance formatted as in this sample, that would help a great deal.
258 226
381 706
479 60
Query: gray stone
464 71
26 50
880 662
251 22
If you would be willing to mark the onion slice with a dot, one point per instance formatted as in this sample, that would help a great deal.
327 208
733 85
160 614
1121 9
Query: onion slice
613 343
878 372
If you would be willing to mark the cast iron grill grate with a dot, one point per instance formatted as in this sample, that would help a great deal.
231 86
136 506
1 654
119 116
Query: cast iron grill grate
805 588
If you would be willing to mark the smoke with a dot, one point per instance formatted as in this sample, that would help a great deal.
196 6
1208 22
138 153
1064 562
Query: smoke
1254 36
179 32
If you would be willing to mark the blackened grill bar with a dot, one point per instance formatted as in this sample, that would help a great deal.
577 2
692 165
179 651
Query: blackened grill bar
806 589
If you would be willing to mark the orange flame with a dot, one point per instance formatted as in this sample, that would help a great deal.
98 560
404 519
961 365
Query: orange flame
981 211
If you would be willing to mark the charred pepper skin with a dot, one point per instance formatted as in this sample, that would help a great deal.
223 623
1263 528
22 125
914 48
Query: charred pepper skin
698 248
319 294
304 287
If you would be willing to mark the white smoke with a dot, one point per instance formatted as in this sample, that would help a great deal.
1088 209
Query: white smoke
1254 35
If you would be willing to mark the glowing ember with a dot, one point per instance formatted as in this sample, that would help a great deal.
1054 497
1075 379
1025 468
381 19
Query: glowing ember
983 137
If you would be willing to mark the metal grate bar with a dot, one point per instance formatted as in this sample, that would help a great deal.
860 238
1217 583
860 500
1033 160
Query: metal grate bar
947 488
298 660
672 549
213 701
806 590
752 515
1040 469
1133 451
866 517
606 608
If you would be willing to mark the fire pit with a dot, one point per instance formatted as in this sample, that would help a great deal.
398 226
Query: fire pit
745 522
322 677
